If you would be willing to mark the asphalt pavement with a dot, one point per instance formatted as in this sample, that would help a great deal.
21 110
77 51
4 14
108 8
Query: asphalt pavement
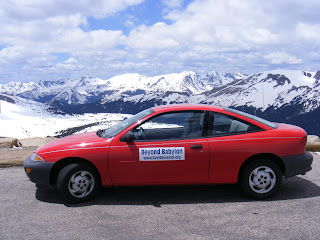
176 212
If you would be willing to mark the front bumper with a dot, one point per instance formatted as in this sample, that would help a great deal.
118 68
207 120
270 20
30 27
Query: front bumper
297 164
40 171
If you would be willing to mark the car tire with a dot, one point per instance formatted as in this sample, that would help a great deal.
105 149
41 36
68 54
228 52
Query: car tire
78 182
260 179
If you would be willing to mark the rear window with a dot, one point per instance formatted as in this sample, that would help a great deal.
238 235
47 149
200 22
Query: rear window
258 119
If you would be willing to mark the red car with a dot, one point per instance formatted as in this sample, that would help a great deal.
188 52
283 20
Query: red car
174 144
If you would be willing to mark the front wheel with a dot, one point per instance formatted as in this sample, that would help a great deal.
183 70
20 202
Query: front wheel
260 179
77 182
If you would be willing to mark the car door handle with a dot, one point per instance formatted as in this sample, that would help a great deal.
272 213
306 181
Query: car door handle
196 146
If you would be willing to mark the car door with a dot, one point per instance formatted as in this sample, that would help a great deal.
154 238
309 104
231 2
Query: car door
168 148
232 141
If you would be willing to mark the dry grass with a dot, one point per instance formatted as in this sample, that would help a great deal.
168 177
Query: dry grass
313 147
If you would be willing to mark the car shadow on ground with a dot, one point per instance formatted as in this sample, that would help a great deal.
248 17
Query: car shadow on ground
292 188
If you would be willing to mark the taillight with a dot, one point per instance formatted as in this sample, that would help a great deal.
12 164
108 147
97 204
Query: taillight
303 140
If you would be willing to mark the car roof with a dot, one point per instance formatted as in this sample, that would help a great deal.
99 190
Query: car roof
181 107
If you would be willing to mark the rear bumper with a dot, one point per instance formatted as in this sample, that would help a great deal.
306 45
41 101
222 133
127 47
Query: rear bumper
297 164
40 171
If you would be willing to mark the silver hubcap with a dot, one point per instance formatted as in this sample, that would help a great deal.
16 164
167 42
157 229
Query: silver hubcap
81 184
262 179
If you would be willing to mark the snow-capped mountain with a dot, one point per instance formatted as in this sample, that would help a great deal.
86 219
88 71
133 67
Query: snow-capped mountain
279 95
267 89
215 79
44 91
15 88
88 90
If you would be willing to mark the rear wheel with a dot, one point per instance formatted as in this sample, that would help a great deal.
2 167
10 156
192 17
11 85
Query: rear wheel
77 182
260 179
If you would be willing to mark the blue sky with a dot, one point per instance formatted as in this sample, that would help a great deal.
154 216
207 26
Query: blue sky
53 39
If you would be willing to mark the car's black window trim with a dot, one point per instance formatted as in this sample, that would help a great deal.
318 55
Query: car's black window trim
233 133
255 118
207 119
210 119
170 139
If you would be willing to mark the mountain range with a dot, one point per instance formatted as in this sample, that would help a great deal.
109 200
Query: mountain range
280 95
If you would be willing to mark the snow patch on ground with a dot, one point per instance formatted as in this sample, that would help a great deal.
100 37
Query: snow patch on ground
26 119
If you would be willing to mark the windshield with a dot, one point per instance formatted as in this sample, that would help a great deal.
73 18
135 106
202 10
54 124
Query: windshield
116 129
260 120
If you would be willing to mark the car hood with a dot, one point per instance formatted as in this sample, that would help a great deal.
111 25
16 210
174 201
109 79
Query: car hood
77 141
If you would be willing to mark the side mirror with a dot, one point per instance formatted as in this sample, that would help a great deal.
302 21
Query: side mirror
128 137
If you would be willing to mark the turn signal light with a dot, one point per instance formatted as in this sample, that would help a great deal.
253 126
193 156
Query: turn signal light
27 170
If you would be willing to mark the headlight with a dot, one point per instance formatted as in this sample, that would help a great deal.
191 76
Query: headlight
36 157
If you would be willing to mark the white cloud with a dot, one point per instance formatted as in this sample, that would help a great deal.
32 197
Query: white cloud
226 33
71 61
173 3
70 64
308 32
281 57
223 35
157 36
214 25
40 9
16 54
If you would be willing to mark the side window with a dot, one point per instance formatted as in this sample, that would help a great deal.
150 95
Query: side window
169 126
221 124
